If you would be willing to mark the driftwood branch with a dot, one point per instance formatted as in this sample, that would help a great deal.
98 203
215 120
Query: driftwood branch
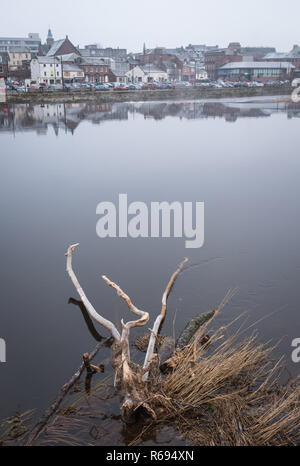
144 317
91 310
130 378
159 320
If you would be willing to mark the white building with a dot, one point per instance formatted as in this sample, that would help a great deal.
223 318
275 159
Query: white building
146 74
201 73
46 70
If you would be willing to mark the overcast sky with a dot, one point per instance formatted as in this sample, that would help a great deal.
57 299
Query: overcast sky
170 23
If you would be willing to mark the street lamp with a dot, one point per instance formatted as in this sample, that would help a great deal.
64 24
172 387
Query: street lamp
62 72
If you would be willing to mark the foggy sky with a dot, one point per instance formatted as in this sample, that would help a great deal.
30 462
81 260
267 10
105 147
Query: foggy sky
169 23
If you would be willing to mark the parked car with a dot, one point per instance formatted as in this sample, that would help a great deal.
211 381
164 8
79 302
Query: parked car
43 86
256 84
85 85
54 87
102 87
11 87
21 89
149 86
120 87
179 84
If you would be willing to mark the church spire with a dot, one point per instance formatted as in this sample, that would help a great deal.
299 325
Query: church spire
50 39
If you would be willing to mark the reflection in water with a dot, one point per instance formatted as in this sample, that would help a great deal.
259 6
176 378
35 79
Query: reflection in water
67 117
87 319
248 176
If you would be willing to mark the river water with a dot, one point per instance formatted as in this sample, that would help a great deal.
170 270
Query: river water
241 158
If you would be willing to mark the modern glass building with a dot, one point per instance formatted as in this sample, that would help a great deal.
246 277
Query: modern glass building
256 70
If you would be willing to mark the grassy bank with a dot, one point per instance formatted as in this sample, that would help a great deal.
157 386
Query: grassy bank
40 97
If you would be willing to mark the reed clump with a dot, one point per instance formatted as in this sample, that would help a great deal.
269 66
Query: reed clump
227 392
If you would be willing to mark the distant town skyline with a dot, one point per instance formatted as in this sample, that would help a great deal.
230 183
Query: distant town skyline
166 24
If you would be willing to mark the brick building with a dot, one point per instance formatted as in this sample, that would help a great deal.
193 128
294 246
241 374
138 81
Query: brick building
170 63
214 59
96 69
62 47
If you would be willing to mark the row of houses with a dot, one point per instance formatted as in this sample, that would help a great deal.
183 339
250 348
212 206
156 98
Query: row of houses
57 60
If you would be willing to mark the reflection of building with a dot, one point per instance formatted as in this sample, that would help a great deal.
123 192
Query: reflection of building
67 117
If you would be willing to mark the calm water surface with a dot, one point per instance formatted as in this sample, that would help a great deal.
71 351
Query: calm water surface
59 161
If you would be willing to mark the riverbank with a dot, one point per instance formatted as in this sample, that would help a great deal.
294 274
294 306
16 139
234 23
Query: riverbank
44 97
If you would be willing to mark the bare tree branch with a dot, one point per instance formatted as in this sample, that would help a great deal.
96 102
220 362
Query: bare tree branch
159 320
91 310
144 317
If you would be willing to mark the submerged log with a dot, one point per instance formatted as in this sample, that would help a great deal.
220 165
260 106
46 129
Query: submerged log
185 338
191 329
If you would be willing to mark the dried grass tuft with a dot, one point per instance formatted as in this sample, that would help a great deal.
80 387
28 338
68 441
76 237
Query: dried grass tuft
228 394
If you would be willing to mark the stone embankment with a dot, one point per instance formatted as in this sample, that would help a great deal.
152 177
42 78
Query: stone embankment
43 97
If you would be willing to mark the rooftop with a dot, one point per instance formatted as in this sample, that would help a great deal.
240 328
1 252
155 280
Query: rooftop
55 46
150 68
256 64
46 60
69 56
72 68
